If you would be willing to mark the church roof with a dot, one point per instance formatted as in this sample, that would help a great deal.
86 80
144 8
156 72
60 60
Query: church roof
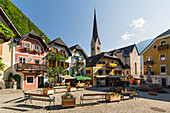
95 29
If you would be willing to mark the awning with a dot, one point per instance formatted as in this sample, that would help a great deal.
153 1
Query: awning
116 76
82 77
67 77
101 76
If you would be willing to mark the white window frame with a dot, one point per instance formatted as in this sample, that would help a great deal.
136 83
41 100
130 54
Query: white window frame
27 43
39 47
156 46
160 57
37 59
33 80
150 58
162 41
22 57
164 73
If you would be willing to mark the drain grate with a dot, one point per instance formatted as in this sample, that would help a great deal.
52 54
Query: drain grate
157 109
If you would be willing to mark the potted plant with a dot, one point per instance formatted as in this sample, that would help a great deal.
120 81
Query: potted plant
48 91
57 84
62 84
113 96
70 89
68 100
68 83
152 92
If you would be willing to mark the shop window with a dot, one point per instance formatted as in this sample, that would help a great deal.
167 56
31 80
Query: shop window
30 80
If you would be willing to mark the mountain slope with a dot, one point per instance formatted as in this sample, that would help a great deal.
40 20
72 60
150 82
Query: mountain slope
20 21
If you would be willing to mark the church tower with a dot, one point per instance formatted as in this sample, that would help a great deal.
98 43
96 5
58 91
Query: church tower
95 42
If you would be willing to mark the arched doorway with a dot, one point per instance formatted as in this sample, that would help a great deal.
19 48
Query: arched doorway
17 78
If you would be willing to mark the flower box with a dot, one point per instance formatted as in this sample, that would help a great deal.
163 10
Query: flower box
57 84
68 103
152 92
48 91
68 84
62 84
71 89
113 97
68 100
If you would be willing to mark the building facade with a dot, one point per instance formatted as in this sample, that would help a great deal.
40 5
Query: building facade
6 48
29 66
157 56
130 58
78 61
104 69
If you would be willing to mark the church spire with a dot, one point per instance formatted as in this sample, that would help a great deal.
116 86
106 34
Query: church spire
95 42
95 29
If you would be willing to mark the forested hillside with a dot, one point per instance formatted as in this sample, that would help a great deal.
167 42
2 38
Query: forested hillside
20 21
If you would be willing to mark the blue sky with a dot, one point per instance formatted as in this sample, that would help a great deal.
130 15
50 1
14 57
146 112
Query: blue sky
120 22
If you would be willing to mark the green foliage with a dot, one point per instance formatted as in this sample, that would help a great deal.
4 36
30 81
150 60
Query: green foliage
140 72
20 21
10 77
54 71
5 31
2 65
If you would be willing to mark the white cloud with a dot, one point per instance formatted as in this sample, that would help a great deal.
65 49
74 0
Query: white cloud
138 23
127 36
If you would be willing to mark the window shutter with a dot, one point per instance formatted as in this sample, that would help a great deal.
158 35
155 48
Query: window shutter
0 49
57 51
52 49
63 53
60 51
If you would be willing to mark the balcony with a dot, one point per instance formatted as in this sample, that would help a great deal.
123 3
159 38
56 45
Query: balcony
111 65
146 72
162 47
30 67
148 62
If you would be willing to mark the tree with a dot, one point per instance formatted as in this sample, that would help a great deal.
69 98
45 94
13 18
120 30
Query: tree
55 65
2 65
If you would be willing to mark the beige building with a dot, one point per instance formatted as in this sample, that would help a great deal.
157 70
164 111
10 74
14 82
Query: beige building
95 42
130 58
6 48
157 56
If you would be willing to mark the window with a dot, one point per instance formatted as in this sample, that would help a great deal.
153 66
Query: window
37 61
103 62
30 80
115 72
100 62
163 42
92 48
100 72
162 57
98 48
155 47
27 45
148 58
88 71
108 71
163 69
21 60
119 72
135 68
37 47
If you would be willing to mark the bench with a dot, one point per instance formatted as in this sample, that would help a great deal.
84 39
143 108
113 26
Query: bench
102 96
39 97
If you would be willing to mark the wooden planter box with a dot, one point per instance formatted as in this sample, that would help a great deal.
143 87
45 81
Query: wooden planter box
152 92
71 89
111 98
48 92
68 103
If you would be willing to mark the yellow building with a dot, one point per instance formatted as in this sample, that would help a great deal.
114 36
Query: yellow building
104 69
157 56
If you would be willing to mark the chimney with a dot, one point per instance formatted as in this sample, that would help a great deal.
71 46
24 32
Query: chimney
42 37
